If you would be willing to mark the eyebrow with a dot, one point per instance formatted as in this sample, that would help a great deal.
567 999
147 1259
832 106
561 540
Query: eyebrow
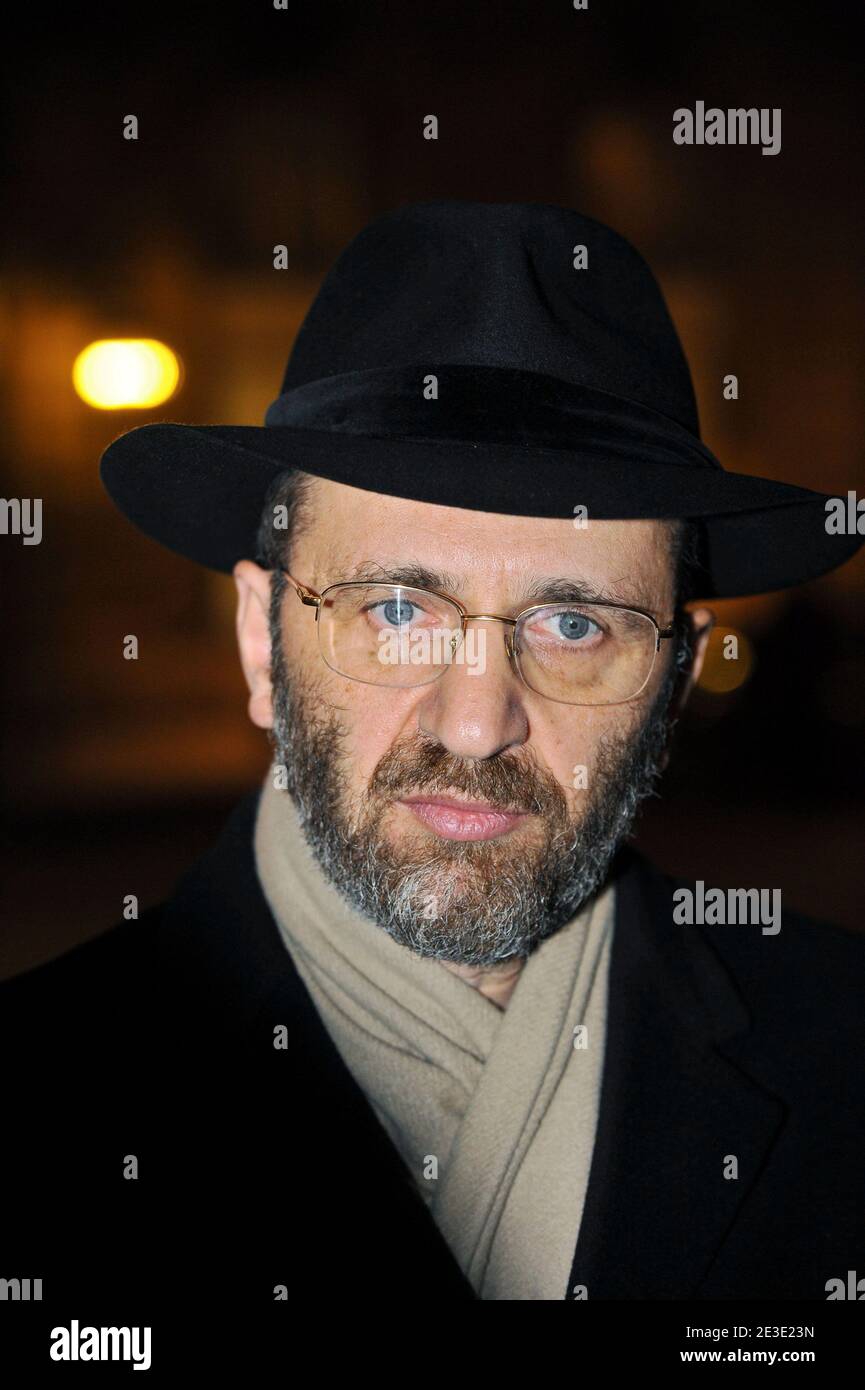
547 589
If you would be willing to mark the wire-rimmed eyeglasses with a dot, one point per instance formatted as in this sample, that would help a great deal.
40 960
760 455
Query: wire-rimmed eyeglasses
403 636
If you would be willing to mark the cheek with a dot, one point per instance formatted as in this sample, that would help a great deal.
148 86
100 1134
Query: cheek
568 745
372 718
372 721
300 642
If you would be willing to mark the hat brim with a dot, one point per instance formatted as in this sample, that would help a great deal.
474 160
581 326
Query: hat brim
200 491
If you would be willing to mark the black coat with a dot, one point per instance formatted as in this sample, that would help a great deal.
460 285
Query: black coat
261 1167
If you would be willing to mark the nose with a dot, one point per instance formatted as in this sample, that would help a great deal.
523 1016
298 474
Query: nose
477 713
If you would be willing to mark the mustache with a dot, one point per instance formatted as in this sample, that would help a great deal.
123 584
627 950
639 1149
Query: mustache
507 782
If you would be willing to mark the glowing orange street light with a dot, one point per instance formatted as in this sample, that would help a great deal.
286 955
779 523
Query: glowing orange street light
124 373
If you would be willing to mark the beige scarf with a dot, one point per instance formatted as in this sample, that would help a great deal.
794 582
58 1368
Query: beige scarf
494 1112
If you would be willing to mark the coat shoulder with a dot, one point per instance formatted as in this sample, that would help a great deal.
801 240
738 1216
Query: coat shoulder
799 971
211 936
809 959
99 979
130 946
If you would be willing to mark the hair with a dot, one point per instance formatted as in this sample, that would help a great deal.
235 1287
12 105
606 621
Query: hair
291 492
688 547
688 558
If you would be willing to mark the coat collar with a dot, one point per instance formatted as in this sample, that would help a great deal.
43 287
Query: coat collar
674 1103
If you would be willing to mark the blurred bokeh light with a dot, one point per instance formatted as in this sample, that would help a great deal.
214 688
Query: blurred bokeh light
119 373
728 662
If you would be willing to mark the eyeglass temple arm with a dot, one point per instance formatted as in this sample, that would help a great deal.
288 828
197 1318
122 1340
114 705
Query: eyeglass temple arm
305 594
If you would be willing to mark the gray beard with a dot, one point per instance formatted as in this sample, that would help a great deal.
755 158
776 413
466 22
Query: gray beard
468 902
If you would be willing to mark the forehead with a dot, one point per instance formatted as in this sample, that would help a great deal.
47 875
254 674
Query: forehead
350 528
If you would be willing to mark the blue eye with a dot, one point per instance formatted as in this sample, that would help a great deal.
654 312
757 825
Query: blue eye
398 611
573 626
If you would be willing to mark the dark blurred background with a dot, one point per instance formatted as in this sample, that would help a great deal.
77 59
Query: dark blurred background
260 126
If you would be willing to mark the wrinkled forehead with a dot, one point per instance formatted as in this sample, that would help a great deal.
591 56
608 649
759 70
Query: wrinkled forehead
481 556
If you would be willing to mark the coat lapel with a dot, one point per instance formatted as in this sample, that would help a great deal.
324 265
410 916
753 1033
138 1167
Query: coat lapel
673 1108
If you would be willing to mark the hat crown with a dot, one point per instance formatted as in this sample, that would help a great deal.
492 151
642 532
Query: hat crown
495 284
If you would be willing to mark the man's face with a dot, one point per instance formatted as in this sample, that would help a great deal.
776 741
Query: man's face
470 817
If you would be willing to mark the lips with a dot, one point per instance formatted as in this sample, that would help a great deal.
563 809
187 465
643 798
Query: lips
462 820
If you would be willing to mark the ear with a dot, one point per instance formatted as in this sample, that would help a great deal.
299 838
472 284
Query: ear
700 622
253 638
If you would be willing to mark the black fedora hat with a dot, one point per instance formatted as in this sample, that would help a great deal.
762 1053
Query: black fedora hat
510 358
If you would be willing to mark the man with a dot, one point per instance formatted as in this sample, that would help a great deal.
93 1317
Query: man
421 1026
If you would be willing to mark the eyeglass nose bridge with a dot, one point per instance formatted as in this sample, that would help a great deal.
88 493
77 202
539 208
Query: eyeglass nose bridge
510 628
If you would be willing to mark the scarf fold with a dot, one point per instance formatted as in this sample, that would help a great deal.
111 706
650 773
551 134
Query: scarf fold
493 1111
